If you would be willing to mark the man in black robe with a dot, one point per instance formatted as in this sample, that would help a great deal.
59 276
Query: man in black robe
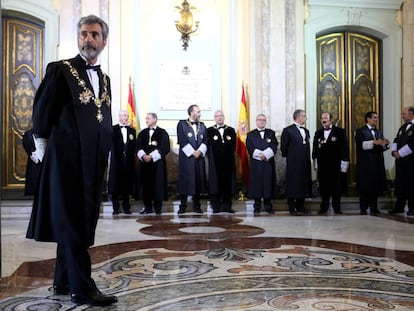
262 144
370 169
403 152
73 124
193 141
221 164
295 147
153 145
331 158
122 163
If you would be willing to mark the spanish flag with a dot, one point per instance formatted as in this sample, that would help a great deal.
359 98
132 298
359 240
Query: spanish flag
241 149
131 108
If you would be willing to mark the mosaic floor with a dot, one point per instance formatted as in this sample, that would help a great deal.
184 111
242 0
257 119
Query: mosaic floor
233 262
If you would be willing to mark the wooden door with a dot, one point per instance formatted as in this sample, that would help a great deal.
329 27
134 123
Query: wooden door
348 81
22 39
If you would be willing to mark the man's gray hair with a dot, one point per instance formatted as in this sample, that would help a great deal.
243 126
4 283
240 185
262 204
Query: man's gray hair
153 115
93 19
297 113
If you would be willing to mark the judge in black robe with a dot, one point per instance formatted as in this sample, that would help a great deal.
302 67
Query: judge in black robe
122 163
153 145
331 158
221 164
295 147
262 144
370 169
403 152
72 116
193 142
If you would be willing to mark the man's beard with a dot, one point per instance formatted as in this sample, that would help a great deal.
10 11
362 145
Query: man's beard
89 52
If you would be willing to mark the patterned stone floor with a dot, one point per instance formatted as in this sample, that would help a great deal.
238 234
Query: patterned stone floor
227 262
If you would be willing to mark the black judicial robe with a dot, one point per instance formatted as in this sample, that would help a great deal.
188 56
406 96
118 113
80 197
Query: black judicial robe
221 160
329 153
154 173
191 169
404 167
298 164
262 174
370 168
66 207
122 163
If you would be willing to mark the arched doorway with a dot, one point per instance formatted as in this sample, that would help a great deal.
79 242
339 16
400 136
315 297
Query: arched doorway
348 81
379 21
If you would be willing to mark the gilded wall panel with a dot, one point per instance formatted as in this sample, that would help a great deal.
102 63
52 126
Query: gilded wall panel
330 77
23 58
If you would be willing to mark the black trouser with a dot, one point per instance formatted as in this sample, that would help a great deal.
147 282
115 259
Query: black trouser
73 269
296 205
196 201
149 204
368 200
220 202
336 203
125 202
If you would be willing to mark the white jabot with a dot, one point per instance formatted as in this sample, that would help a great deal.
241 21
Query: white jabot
326 133
124 134
195 130
301 130
151 131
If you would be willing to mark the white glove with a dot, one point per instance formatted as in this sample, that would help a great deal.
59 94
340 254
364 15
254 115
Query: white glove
40 144
34 157
344 166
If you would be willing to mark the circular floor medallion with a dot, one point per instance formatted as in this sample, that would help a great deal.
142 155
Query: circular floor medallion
202 229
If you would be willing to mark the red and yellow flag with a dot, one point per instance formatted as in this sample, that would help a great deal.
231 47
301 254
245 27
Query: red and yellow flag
241 149
131 108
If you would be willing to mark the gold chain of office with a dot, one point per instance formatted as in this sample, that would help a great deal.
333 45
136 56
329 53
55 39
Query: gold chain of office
87 95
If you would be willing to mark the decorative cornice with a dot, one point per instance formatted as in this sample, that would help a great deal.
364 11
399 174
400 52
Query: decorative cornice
368 4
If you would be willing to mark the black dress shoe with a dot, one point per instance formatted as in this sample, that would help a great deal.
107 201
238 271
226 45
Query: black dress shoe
338 212
231 211
410 213
128 212
269 211
375 212
320 212
115 212
395 211
60 290
363 213
158 212
256 211
181 210
95 298
197 210
145 211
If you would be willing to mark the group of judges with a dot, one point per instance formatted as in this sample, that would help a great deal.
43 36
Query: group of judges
207 164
